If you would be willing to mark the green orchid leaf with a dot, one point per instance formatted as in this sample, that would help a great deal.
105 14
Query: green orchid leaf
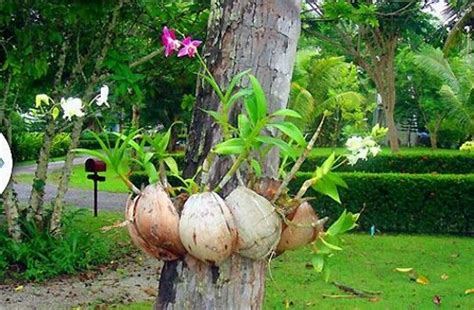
257 168
285 148
251 109
287 113
236 79
231 146
172 165
244 126
291 131
260 98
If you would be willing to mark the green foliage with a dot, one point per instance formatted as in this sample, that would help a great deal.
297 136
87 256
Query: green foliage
88 141
402 202
327 84
41 255
330 243
414 162
27 145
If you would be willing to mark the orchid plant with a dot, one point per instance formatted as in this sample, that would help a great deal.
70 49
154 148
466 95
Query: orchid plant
245 142
248 141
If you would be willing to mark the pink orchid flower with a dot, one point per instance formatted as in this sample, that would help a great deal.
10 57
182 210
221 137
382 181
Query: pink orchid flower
168 38
189 47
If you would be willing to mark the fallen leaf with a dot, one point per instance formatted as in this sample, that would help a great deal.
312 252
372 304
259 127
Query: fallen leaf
19 288
422 280
403 269
437 300
469 291
151 291
444 276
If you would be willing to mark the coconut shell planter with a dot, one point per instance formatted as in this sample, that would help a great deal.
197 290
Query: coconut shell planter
211 229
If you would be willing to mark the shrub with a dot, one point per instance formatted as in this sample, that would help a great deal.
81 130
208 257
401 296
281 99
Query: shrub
40 255
60 144
403 203
87 140
422 162
27 145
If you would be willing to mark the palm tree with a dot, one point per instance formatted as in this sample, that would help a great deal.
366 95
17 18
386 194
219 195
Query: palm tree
458 14
457 89
326 84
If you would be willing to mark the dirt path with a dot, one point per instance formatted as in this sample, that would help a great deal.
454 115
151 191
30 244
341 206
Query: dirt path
129 281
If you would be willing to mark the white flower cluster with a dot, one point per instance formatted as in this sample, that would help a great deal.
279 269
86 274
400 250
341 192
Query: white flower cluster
360 148
73 106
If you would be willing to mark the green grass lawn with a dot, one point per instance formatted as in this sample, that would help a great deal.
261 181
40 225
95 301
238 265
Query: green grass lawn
79 180
368 264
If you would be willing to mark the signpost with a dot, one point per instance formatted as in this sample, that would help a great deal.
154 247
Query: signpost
95 166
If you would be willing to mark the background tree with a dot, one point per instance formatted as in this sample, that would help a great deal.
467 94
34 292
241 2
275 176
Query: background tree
327 84
369 31
246 34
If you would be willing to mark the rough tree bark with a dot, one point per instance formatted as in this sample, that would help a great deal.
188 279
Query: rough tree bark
36 202
384 78
78 124
260 35
10 201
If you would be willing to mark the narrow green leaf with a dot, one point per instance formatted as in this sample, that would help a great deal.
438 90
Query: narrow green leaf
241 93
287 112
328 163
214 85
172 165
244 126
260 98
331 246
236 79
231 146
291 131
286 149
251 109
257 168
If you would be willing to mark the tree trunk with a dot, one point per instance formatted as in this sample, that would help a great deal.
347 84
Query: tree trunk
248 34
385 83
434 140
35 205
65 176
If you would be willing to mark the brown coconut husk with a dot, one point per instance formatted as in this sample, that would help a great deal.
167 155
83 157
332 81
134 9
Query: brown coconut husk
207 228
301 230
154 224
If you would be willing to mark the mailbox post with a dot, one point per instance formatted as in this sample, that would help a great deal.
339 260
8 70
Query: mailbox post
95 166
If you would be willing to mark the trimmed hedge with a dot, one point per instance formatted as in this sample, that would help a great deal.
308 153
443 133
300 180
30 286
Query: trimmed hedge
87 140
418 203
27 145
405 163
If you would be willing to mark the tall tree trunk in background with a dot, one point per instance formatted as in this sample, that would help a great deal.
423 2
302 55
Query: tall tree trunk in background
384 78
136 116
36 202
247 34
78 124
10 201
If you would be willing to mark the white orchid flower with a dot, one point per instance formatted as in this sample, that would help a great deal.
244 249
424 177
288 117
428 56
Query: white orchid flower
375 150
72 107
355 143
103 97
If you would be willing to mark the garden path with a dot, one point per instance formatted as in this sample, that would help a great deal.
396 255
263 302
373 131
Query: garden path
77 197
116 283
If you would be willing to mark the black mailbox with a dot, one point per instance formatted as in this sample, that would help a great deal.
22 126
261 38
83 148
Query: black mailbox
95 165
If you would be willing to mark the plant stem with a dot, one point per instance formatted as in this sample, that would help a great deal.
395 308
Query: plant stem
232 171
304 188
299 162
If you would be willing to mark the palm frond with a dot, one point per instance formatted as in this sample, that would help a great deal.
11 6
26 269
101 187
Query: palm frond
432 61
